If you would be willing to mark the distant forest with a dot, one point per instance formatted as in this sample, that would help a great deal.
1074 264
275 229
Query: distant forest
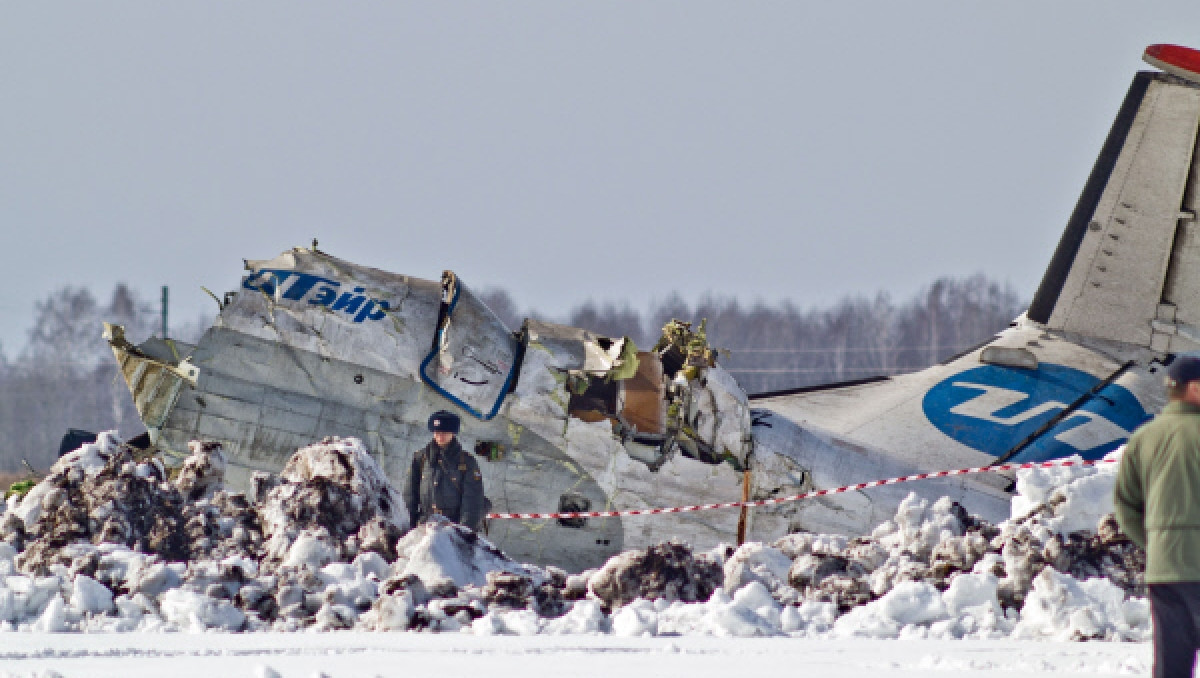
65 376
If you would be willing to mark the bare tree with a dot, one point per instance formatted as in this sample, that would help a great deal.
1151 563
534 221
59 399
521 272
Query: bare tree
499 301
782 346
66 377
609 319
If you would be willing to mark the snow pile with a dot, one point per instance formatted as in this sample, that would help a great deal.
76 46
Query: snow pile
440 550
1065 499
666 571
101 495
330 501
107 542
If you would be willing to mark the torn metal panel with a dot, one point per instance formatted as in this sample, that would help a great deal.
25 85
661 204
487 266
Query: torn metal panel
597 376
170 351
720 414
154 383
584 351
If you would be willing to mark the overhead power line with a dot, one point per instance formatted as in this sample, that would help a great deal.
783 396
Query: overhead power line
855 349
823 370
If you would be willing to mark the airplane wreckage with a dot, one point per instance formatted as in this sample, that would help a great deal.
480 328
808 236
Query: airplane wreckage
563 419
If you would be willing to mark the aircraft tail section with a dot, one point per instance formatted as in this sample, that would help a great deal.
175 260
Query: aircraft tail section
1127 267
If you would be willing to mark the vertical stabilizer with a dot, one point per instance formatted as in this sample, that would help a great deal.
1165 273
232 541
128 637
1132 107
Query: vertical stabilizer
1128 266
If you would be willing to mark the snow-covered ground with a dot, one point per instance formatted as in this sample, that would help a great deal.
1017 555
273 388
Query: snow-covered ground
112 566
350 653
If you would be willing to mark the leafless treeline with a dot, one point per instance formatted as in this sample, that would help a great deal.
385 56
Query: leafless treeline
772 347
65 377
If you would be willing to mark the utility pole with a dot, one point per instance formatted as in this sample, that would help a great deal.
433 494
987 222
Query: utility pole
164 312
745 514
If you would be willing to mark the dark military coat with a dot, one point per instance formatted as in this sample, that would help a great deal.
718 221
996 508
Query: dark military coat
447 482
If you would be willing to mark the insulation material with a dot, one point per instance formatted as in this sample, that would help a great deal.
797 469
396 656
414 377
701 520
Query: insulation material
643 406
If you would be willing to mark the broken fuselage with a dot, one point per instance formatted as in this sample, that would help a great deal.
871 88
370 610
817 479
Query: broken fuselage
564 420
561 419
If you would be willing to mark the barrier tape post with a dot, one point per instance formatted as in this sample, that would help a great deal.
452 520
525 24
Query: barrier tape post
797 497
745 515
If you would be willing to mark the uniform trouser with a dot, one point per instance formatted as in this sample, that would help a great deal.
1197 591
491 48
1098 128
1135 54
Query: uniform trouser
1175 609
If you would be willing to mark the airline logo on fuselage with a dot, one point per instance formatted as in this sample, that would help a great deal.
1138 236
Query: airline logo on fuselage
992 409
316 291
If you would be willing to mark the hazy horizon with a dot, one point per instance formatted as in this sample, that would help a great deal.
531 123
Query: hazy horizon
562 152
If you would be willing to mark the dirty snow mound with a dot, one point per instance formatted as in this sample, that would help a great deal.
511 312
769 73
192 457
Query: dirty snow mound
101 494
665 571
107 543
330 502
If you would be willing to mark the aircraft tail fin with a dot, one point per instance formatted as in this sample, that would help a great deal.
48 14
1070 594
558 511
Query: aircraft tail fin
1128 265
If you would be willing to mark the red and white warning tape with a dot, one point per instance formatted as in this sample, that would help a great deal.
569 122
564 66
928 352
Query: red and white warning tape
797 497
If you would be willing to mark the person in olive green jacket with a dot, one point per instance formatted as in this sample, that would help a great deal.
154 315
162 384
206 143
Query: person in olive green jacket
1157 499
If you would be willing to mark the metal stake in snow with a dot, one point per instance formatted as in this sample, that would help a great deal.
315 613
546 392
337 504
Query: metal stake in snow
797 497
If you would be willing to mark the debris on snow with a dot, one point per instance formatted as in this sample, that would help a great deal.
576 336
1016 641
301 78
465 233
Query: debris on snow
665 571
106 542
202 472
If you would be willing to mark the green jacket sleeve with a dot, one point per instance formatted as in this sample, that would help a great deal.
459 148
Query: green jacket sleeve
1129 498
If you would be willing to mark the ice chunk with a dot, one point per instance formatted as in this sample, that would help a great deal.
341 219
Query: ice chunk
335 486
54 618
311 549
1060 607
89 596
755 562
192 611
584 616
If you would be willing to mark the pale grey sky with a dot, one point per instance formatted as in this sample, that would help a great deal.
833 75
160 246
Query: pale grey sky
615 150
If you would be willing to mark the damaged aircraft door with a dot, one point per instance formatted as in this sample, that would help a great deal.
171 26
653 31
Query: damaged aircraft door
474 356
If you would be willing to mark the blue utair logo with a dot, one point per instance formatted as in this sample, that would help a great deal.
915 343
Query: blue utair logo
992 409
318 291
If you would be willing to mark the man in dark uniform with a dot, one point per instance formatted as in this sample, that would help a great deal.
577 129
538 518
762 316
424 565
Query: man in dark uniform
444 479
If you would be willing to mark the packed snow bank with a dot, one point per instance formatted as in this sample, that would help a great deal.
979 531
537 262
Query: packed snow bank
440 550
593 655
108 542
